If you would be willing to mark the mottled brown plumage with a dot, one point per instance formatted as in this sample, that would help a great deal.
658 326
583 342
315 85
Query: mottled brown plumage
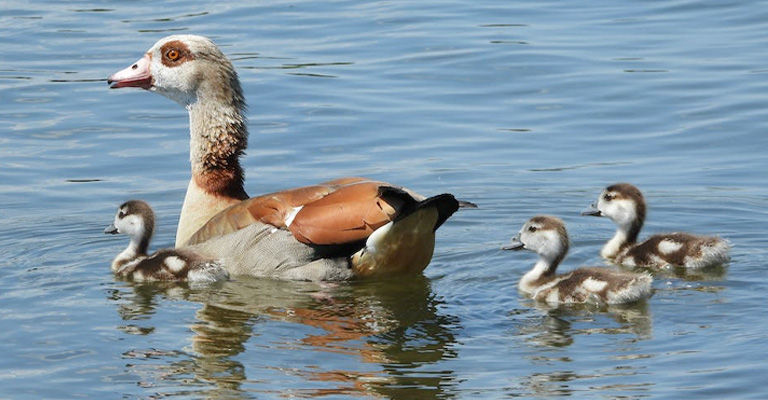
547 236
136 219
624 204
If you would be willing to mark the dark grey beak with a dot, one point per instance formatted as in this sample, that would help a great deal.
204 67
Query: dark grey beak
515 244
592 211
111 229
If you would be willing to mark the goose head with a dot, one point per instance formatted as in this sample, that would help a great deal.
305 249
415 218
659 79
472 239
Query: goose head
543 234
622 203
183 68
136 219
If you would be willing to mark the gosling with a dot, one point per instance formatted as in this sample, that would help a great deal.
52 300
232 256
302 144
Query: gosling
547 237
136 219
624 205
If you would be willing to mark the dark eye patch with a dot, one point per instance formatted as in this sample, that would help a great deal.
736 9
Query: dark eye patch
175 53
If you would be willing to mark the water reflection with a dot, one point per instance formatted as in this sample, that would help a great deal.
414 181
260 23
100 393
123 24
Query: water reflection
714 273
551 326
390 328
548 332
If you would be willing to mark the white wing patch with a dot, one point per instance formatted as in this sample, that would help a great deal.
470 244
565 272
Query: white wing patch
656 261
629 261
553 296
138 276
292 215
174 264
668 246
593 285
378 236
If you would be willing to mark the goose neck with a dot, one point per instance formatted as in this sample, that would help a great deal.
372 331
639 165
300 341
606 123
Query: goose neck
218 137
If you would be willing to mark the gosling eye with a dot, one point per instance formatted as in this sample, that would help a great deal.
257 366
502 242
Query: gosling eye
121 214
608 197
531 228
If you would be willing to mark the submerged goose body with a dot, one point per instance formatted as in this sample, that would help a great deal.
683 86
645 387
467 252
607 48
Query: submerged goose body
624 204
546 235
136 219
369 227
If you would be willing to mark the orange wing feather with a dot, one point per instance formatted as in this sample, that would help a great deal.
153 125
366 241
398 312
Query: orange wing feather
340 211
347 215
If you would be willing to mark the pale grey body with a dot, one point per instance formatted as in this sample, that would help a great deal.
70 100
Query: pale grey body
262 250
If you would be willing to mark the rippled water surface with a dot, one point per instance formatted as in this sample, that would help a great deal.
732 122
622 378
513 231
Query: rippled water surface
522 107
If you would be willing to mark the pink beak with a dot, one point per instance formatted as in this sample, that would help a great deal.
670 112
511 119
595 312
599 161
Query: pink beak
137 75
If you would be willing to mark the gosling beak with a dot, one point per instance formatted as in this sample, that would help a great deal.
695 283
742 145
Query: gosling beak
137 75
592 211
111 229
515 244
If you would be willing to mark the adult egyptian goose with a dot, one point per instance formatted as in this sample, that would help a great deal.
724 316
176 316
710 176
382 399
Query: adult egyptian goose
379 229
624 205
136 219
546 235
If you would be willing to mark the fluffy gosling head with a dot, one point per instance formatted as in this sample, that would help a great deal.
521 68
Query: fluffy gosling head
622 203
545 235
136 219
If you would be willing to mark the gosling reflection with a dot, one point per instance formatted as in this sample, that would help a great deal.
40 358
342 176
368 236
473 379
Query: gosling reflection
554 327
355 339
713 274
549 331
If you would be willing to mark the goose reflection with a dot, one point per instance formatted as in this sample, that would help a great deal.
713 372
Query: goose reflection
249 332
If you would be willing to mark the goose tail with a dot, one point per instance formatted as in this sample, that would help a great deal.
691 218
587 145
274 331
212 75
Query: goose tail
404 246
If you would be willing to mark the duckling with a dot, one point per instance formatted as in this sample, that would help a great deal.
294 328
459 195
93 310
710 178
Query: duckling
136 219
624 205
546 235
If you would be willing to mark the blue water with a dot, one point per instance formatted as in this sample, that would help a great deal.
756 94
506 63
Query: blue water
522 107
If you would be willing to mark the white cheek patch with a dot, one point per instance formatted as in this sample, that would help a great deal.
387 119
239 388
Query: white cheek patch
620 211
175 83
544 242
626 209
174 264
668 246
593 285
130 225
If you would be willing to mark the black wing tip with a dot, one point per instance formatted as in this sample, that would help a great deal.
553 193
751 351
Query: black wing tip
445 204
